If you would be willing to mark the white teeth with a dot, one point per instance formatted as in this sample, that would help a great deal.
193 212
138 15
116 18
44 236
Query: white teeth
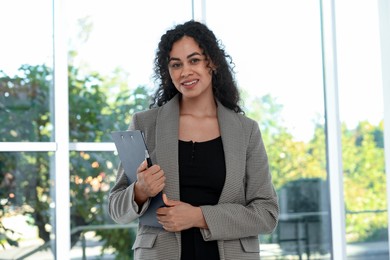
190 83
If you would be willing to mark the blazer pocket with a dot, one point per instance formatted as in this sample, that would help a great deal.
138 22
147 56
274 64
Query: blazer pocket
144 241
250 244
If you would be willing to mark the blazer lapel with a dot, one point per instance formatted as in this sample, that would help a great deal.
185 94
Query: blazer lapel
167 148
234 149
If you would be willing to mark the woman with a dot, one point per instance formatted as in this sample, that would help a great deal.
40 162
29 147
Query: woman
210 161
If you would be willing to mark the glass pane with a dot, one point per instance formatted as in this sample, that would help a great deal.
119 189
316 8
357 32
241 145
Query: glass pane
112 46
26 206
26 70
93 232
276 49
361 112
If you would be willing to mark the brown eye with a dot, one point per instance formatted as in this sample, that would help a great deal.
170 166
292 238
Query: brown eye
175 65
194 61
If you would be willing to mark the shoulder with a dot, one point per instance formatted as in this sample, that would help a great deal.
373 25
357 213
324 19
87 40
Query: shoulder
167 109
235 118
250 128
145 118
148 118
245 120
146 113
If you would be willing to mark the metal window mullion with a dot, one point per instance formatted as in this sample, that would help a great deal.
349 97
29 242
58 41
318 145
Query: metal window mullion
333 130
28 146
61 135
384 26
199 10
89 146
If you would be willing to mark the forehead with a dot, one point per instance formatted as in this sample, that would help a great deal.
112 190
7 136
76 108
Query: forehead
184 47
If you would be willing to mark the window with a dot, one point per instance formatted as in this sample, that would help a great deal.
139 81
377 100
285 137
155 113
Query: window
277 50
361 112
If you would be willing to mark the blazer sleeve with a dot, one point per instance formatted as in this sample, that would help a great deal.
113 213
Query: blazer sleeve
122 207
259 213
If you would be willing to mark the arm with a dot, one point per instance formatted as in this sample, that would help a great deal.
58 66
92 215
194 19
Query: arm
122 207
178 215
128 202
259 212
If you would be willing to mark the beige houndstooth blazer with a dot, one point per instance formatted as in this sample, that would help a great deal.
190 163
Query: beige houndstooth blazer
247 206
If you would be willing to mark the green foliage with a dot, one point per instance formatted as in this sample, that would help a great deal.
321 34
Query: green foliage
24 105
95 110
365 182
289 159
98 106
362 158
24 116
118 239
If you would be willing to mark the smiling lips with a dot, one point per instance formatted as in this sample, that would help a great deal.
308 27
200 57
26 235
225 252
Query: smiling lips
189 84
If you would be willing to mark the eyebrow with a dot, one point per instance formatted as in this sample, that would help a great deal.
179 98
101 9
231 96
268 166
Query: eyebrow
189 56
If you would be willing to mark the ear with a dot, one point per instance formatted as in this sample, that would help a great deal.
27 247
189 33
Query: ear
210 64
213 68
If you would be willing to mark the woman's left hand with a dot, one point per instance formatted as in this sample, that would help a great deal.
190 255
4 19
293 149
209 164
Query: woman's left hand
178 215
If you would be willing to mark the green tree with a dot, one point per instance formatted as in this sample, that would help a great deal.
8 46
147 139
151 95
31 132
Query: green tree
24 116
94 113
97 107
289 159
364 182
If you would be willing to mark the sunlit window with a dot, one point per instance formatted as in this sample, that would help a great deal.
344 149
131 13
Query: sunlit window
277 51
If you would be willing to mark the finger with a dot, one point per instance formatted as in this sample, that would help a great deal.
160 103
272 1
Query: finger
165 199
155 189
156 170
142 167
169 202
167 228
161 212
158 179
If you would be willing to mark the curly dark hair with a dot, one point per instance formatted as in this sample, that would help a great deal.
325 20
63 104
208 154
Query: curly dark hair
224 86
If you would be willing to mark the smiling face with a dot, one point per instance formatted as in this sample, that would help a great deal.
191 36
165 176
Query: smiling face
189 69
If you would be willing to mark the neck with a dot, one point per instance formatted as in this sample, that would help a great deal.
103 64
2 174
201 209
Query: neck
198 107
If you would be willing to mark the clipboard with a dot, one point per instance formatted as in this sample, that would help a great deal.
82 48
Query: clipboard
132 149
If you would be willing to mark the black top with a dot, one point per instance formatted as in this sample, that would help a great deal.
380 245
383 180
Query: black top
202 173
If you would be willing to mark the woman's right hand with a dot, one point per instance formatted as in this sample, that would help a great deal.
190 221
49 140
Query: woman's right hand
150 181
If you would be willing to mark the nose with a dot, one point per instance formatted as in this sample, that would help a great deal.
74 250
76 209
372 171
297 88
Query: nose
186 70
